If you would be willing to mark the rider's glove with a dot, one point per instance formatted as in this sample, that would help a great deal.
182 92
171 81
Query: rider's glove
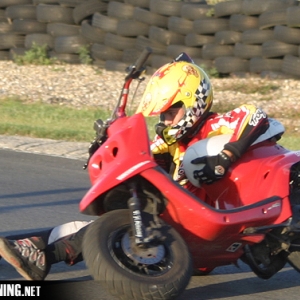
215 167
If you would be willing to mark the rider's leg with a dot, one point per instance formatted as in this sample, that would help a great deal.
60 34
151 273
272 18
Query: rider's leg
33 256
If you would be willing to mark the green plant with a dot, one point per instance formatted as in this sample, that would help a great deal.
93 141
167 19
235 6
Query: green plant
37 55
211 72
84 55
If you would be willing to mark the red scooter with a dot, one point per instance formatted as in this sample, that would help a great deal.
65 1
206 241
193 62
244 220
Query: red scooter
153 234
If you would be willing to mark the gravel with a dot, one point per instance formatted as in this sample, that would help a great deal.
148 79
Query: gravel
86 85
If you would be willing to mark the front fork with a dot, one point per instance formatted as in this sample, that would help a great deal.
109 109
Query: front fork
142 235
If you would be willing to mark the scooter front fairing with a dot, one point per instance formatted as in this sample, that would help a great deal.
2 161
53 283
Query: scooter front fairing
125 153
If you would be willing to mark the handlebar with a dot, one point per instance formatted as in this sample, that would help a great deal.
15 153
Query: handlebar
136 69
134 72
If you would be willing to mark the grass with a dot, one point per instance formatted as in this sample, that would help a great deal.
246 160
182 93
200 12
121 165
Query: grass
49 120
70 124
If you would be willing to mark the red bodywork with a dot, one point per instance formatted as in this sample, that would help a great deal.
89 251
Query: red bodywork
255 192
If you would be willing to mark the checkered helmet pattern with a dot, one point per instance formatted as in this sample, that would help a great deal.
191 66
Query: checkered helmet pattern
193 114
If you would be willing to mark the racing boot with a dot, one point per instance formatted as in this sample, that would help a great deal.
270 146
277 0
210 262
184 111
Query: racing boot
67 249
26 257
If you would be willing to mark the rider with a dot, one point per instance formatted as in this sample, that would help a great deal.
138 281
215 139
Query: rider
181 94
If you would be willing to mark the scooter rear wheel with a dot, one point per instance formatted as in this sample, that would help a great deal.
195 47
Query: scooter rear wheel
161 271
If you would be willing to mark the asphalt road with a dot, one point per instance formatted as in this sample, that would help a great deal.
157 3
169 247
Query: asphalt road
39 191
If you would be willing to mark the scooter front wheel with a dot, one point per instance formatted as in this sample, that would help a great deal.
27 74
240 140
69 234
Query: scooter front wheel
160 271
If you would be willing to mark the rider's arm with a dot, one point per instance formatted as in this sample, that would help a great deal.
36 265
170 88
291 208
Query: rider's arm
245 124
251 122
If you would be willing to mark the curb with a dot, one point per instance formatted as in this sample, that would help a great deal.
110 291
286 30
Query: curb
72 150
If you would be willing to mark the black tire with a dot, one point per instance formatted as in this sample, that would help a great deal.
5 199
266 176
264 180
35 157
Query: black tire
164 36
99 63
180 25
132 28
166 7
39 39
292 16
228 8
65 57
27 26
194 39
260 64
265 268
7 3
287 34
175 50
291 65
70 3
92 33
195 11
158 61
69 44
36 2
247 51
129 56
103 52
118 42
272 18
115 65
228 37
4 55
120 10
61 29
14 53
206 64
21 12
138 3
157 48
11 40
106 23
212 51
87 9
54 14
256 7
103 251
278 49
6 27
210 25
242 22
231 64
256 36
150 18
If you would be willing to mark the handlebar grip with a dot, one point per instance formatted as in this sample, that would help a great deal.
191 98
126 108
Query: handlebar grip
143 57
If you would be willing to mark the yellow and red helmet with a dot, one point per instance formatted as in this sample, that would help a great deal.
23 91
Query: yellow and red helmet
174 83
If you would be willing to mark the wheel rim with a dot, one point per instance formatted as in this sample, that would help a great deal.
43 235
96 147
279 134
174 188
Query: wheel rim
153 261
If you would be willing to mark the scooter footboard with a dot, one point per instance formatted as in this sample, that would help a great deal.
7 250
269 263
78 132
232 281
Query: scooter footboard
216 235
192 216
